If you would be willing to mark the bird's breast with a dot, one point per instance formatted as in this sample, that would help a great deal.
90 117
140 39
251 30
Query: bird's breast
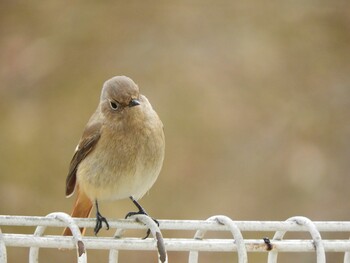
125 162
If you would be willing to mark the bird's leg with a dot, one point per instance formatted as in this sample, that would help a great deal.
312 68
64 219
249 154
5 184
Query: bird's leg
99 220
141 211
139 207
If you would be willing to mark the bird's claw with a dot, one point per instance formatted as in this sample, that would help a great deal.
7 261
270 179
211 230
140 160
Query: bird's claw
99 222
142 212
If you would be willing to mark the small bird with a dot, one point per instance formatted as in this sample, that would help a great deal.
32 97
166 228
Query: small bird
120 153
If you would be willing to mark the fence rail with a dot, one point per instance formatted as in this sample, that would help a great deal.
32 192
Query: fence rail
237 244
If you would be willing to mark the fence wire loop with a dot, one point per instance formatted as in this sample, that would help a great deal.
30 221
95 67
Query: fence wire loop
237 236
312 229
39 231
155 231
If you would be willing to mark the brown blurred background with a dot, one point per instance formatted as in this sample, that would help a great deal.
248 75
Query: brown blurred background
254 97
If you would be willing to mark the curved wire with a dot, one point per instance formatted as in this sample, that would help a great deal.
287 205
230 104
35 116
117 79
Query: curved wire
315 234
156 233
237 235
34 251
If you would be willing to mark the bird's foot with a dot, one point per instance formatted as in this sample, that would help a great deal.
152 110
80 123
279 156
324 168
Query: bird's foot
99 221
140 212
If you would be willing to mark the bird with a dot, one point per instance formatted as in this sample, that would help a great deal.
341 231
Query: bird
120 153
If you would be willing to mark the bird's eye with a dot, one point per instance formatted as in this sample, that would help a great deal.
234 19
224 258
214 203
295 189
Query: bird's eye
114 105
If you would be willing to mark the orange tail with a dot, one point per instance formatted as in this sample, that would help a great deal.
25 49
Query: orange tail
82 208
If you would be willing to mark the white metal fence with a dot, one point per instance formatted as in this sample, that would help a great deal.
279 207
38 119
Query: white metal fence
237 244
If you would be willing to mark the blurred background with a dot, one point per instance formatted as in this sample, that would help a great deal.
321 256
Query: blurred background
254 97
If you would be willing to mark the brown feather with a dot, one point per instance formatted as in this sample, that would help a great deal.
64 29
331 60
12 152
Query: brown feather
87 143
82 208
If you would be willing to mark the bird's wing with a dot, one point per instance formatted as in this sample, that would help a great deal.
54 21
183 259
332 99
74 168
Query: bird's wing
88 141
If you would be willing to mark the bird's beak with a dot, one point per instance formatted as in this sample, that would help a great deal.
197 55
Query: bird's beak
134 102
